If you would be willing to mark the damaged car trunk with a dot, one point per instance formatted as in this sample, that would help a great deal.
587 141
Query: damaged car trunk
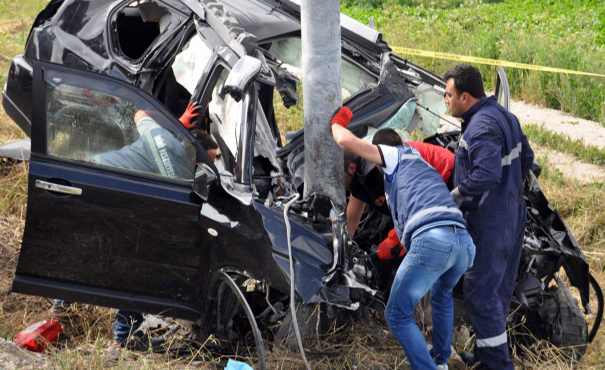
126 209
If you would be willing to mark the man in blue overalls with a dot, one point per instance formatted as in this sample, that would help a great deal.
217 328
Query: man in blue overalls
430 227
492 158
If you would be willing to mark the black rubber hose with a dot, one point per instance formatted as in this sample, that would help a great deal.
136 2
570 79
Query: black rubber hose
599 317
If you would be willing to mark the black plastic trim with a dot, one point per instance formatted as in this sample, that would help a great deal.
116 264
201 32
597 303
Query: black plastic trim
102 297
16 114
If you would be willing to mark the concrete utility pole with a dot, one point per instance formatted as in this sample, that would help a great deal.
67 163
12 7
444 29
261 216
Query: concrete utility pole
321 61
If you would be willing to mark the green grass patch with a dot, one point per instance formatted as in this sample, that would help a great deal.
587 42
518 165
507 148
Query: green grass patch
10 9
563 34
563 143
13 185
289 119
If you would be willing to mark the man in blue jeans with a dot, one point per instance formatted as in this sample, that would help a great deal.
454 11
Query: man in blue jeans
431 228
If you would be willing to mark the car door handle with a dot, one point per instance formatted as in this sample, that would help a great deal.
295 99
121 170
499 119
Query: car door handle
58 188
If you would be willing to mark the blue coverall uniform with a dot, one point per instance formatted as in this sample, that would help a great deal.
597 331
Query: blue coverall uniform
492 158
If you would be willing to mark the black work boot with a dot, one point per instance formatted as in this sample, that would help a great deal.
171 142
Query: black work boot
468 358
143 343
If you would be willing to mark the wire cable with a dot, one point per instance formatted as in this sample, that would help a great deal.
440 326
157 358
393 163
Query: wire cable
435 114
292 306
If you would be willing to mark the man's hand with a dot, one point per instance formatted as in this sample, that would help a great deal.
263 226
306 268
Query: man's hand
342 117
188 115
390 247
458 198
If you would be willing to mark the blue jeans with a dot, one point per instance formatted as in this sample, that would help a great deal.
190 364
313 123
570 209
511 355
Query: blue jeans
126 324
436 259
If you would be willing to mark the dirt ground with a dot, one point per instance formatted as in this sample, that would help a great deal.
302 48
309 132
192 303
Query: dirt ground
576 128
590 132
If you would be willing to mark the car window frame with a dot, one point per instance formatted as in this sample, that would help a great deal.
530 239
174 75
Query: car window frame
114 49
43 71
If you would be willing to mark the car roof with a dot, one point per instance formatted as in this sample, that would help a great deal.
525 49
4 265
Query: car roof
261 20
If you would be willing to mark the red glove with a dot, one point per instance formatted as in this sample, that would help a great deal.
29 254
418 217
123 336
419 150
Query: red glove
390 247
342 117
188 115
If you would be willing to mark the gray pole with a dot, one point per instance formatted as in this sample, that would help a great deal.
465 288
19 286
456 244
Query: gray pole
321 61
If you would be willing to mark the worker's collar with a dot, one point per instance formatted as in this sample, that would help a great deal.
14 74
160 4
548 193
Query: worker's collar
466 116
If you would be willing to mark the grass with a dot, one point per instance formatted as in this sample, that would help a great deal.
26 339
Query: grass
581 206
561 34
289 119
563 143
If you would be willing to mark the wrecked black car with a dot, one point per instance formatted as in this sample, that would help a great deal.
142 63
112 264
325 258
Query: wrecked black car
144 220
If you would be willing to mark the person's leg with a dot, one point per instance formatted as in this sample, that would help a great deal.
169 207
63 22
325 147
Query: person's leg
424 263
126 324
60 306
441 293
512 264
492 237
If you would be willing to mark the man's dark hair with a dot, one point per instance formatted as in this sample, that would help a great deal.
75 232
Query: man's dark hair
387 136
349 158
466 79
205 139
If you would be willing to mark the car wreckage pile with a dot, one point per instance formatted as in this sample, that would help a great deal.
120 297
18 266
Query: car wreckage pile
225 243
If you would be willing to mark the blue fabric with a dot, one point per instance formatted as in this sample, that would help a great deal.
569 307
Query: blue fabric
489 134
126 324
491 160
415 187
139 156
436 260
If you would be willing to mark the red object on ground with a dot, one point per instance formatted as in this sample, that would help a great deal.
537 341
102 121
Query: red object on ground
36 337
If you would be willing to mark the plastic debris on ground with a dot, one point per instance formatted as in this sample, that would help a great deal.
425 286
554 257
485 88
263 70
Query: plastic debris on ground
237 365
38 336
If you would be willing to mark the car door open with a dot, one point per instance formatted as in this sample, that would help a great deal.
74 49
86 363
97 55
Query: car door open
112 217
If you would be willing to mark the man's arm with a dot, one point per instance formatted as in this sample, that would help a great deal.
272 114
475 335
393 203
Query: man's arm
346 140
354 212
144 122
485 152
527 156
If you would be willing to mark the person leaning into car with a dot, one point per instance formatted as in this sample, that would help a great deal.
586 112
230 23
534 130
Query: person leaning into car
492 158
431 227
366 186
365 183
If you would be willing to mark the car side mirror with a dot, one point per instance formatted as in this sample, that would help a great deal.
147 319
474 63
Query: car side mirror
205 180
242 75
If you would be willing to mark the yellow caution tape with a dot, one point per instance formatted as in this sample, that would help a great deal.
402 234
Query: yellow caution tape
493 62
